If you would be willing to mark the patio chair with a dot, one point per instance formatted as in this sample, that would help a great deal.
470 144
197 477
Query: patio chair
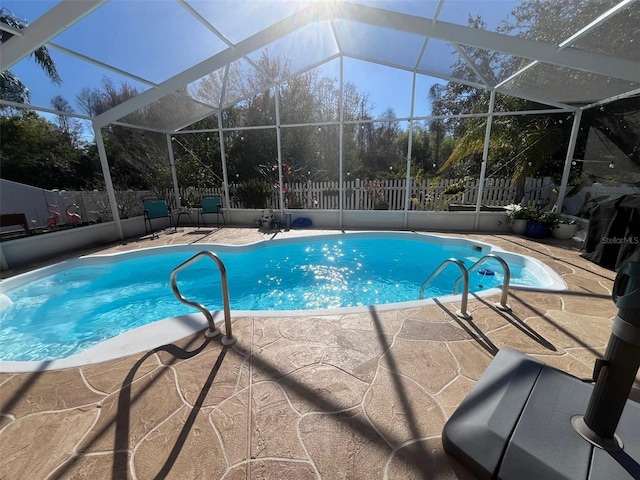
153 210
211 205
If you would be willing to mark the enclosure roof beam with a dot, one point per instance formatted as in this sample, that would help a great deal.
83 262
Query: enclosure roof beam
213 63
522 47
52 23
543 51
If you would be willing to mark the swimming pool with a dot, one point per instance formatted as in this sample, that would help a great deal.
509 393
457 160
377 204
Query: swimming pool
59 311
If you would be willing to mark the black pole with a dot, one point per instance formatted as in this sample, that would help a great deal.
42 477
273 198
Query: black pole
615 374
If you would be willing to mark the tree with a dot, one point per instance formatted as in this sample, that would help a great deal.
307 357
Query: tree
549 21
383 152
533 145
197 156
89 101
519 146
437 126
11 87
67 124
304 98
36 152
421 151
137 159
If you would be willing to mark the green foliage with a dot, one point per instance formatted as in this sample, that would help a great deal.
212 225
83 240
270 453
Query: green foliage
192 200
197 157
254 193
519 212
38 153
532 213
138 160
527 145
294 201
520 146
557 219
455 188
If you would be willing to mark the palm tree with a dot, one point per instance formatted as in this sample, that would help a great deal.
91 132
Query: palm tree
11 87
520 146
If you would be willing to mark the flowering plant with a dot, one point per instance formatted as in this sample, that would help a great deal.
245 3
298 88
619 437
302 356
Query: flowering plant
532 213
375 189
516 212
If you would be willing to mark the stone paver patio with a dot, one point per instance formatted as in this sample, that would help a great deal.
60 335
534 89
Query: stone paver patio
354 396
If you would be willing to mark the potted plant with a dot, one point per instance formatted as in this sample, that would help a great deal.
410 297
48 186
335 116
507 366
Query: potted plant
539 223
517 216
564 228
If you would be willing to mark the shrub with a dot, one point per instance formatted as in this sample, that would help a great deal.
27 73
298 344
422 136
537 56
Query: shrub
253 193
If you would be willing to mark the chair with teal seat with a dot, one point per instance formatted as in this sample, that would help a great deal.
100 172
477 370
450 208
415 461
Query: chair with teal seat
211 205
153 210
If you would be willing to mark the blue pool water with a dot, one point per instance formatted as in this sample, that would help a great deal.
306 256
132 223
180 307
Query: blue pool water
67 308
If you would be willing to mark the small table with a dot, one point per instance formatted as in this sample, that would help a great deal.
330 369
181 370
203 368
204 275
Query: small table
185 211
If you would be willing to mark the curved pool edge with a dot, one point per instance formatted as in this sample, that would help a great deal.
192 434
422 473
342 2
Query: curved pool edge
162 332
135 341
153 335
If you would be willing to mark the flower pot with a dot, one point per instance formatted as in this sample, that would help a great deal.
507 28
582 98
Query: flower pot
536 229
564 231
518 225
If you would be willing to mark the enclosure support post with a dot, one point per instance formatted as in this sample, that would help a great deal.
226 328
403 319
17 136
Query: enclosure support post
485 156
225 173
408 182
279 145
341 196
113 203
567 163
174 176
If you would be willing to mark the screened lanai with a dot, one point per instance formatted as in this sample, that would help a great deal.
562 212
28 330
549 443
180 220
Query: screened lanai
224 85
412 115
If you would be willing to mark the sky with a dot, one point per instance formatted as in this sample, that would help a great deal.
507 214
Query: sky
115 35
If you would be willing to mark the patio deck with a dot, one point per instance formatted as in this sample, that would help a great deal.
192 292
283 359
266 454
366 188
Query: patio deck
356 396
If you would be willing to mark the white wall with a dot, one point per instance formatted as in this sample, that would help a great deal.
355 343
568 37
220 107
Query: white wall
383 219
27 250
32 201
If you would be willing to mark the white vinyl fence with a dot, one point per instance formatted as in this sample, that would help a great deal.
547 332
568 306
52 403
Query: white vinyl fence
429 195
436 194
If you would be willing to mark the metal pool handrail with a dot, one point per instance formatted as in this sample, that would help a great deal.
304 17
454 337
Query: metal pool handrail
213 331
505 283
462 313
